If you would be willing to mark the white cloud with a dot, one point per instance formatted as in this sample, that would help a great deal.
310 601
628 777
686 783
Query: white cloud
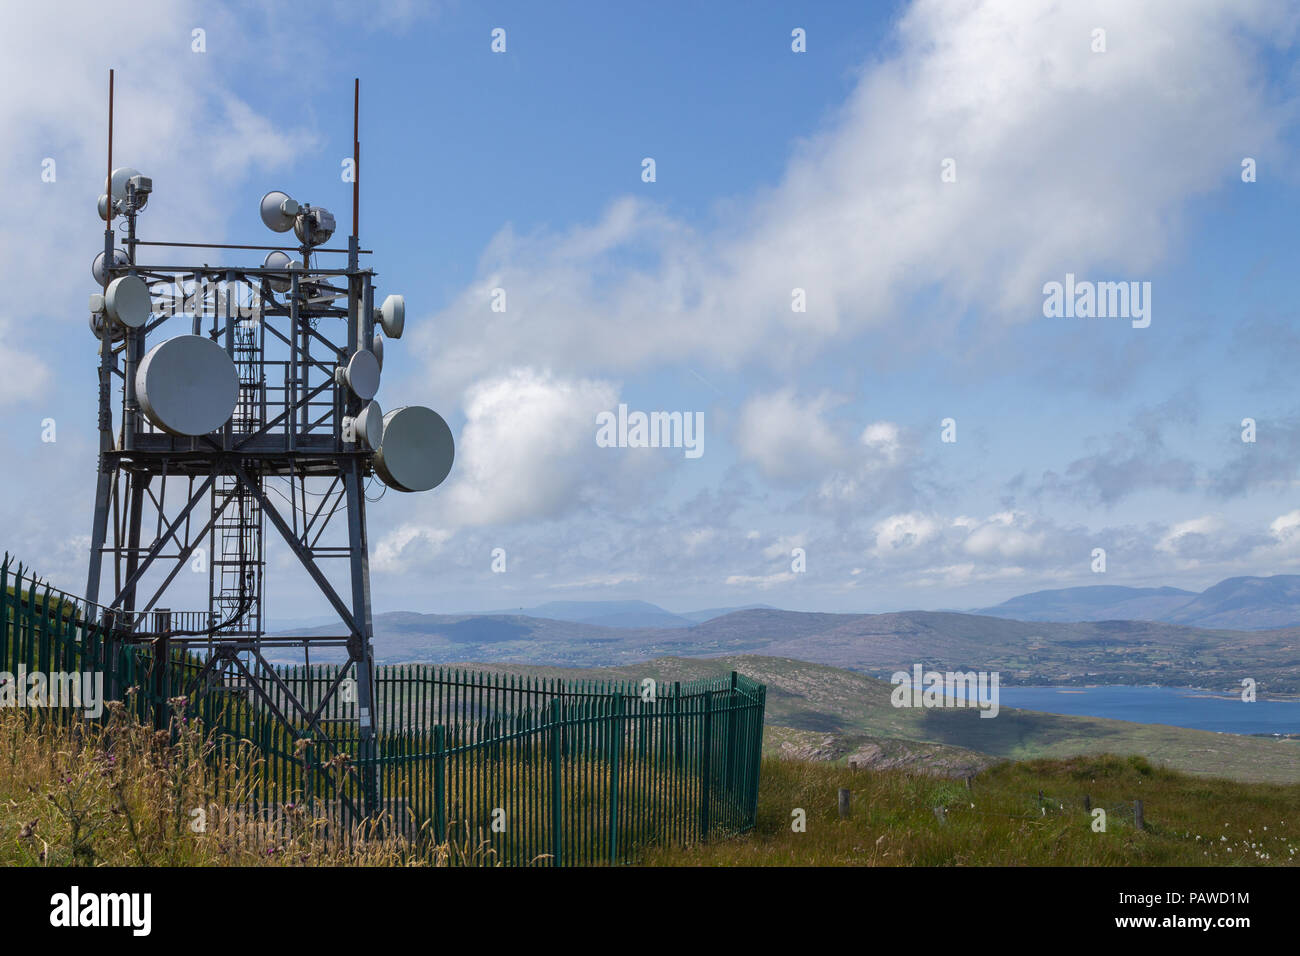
883 438
860 218
407 546
528 448
1185 536
26 376
787 436
1286 528
1006 535
903 532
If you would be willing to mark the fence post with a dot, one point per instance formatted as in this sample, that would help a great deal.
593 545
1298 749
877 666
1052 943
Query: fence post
731 736
677 721
161 662
1139 820
557 756
846 802
4 617
439 783
616 752
706 760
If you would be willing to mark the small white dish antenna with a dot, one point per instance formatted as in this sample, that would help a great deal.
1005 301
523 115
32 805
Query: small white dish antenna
362 374
377 346
103 207
280 260
368 426
98 319
128 301
115 185
97 267
417 449
392 316
278 211
187 385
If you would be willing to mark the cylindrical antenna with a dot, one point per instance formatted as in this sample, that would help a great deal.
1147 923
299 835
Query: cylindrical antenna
109 180
356 154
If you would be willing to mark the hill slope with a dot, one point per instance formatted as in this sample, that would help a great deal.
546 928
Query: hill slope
1099 603
828 713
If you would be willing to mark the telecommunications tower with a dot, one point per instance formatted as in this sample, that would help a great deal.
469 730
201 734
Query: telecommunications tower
233 397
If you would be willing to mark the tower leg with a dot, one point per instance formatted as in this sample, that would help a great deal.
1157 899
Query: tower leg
99 532
98 536
360 647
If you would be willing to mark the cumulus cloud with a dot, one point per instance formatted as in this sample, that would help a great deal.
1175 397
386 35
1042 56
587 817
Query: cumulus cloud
860 218
788 437
526 447
902 532
1191 537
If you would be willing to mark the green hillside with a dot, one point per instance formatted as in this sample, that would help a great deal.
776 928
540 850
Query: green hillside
824 712
1014 814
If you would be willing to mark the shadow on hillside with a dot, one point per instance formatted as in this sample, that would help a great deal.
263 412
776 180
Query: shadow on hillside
1009 730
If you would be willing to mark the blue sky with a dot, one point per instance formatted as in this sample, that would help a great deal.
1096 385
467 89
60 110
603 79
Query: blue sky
775 170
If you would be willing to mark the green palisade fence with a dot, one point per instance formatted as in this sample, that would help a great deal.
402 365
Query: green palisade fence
509 769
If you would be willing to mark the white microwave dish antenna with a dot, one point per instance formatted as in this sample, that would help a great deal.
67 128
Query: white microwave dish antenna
187 385
280 260
115 185
278 211
416 451
128 301
392 316
369 425
97 267
362 374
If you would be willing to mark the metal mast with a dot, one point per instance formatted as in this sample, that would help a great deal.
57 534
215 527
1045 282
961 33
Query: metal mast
291 460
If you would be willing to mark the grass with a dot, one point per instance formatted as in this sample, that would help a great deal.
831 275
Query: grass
903 818
119 794
122 795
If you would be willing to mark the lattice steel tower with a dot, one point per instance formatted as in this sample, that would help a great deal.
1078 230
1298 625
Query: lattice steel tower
218 387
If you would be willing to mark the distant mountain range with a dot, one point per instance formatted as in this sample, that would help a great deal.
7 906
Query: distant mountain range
1236 604
1241 627
620 613
1024 652
638 614
1239 604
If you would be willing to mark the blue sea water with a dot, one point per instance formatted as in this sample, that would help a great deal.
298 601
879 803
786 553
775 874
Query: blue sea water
1178 706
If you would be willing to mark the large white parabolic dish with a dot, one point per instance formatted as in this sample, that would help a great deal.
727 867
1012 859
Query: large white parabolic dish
187 385
417 449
